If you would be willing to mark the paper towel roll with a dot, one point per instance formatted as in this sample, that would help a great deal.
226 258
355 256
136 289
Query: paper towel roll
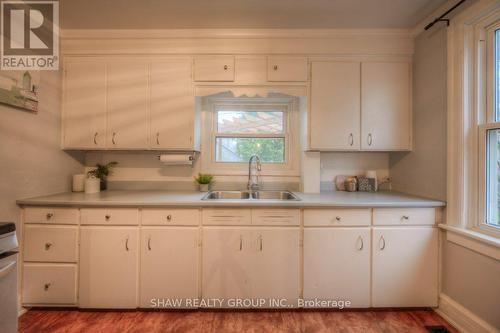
178 159
78 183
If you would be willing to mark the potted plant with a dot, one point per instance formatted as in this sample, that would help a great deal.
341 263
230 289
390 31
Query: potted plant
204 180
102 172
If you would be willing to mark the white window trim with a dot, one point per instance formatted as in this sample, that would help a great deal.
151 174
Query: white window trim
291 167
467 105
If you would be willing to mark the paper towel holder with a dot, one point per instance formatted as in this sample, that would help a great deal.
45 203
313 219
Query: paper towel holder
192 156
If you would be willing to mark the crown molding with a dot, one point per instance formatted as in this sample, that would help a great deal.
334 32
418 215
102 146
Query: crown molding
231 33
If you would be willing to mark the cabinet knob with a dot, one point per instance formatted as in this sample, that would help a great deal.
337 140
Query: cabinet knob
48 246
338 218
49 216
226 67
275 67
46 286
405 217
169 218
107 217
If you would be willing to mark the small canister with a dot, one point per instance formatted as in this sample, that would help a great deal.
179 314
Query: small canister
351 184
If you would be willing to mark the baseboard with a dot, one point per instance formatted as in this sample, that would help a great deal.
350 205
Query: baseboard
461 318
21 311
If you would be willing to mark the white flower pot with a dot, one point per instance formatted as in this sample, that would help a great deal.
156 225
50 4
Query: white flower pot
204 187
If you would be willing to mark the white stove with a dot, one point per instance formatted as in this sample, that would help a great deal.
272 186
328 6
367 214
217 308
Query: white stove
8 278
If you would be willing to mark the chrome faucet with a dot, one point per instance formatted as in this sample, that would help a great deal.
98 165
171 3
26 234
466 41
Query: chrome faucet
253 177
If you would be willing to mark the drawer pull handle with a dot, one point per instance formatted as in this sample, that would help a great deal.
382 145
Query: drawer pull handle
338 218
405 217
126 244
370 139
113 138
48 246
107 217
260 243
95 138
49 216
382 239
351 139
275 67
241 243
226 67
158 138
169 218
46 286
361 243
149 243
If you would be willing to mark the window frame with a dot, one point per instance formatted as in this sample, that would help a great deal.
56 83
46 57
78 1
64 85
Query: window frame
486 118
290 107
252 107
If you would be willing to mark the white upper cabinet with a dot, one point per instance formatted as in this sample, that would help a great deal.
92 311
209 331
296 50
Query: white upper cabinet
251 69
214 68
172 104
127 98
287 69
85 104
386 106
335 112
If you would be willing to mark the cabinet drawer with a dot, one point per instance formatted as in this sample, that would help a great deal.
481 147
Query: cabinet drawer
214 68
51 215
110 216
231 216
287 69
50 243
49 284
276 216
170 216
337 217
404 216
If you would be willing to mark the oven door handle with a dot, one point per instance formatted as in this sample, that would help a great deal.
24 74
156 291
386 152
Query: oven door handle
4 271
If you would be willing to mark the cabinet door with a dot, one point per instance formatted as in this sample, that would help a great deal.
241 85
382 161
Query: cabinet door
108 267
226 262
84 103
335 106
337 265
127 96
405 267
169 265
172 105
214 68
287 69
275 263
385 106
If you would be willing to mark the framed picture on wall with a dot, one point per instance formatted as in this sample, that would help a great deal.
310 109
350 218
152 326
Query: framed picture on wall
20 89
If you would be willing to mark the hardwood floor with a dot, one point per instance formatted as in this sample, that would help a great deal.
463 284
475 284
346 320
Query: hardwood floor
72 321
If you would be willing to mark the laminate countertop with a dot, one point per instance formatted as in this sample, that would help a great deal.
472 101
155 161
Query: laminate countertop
137 198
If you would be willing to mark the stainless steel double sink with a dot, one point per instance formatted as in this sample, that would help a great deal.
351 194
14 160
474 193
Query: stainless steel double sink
246 195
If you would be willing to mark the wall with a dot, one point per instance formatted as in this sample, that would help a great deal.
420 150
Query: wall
32 162
335 164
423 171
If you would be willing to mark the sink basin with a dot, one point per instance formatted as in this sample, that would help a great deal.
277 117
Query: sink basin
225 195
274 195
258 195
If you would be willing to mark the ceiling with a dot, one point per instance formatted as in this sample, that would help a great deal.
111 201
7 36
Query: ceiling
241 14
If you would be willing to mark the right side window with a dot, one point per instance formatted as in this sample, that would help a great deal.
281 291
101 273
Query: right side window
491 132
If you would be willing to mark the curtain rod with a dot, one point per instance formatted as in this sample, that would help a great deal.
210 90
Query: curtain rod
441 18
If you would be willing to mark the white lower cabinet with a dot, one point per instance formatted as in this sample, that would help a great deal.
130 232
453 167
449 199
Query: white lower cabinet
169 267
405 267
251 263
337 265
108 267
